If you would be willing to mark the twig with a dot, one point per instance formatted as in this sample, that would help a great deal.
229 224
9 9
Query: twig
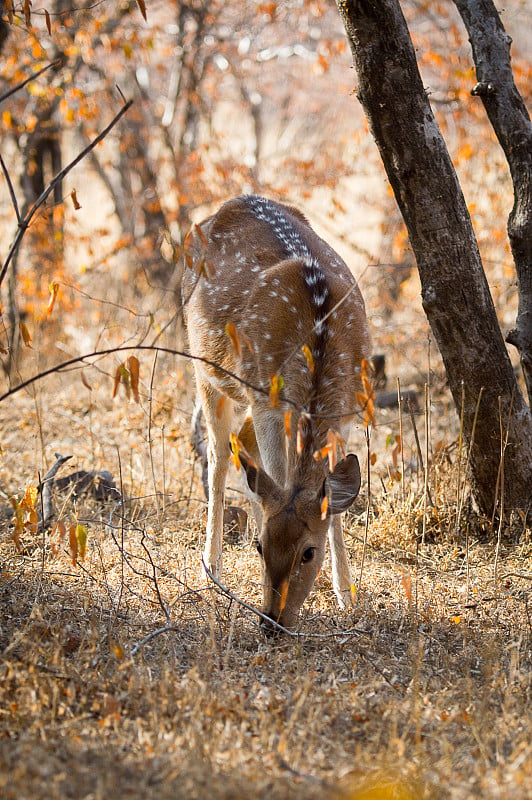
63 365
225 591
294 634
150 443
500 479
400 410
152 635
162 604
45 487
32 77
11 189
366 526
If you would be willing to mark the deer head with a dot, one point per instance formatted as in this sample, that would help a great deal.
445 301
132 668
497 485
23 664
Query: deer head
291 542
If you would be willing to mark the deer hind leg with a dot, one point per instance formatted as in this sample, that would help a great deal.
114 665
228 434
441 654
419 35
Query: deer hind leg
341 571
218 417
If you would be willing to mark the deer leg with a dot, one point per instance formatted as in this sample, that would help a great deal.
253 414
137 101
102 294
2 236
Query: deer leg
218 417
341 571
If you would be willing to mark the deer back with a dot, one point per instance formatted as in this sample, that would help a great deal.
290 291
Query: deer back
295 307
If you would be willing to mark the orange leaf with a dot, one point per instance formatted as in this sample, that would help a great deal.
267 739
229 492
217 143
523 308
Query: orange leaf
57 536
276 386
48 22
284 595
288 424
73 543
142 7
54 288
118 650
324 506
235 450
75 201
81 537
220 406
322 453
122 376
134 373
300 441
26 335
406 582
307 352
233 335
201 236
335 441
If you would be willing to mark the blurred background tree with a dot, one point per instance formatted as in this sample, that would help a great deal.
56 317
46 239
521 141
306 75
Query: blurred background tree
229 98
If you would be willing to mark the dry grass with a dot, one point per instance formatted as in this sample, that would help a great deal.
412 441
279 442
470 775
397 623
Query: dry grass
424 688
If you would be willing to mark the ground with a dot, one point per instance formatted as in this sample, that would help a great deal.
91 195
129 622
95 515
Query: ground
422 690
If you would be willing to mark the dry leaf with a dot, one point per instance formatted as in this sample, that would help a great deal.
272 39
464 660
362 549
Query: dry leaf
142 6
133 366
307 352
284 595
26 335
54 288
235 450
406 583
288 424
220 406
74 199
231 331
73 544
81 536
276 386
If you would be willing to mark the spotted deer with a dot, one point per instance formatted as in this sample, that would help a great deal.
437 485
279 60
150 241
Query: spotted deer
277 325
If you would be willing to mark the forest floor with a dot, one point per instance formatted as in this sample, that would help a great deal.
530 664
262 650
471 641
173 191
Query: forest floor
124 674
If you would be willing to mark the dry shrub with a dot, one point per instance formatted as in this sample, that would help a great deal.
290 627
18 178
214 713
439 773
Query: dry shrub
125 673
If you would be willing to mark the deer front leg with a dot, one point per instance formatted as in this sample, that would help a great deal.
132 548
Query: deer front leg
341 571
218 417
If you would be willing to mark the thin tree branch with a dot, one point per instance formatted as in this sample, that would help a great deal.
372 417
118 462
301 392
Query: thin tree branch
32 77
171 351
45 486
11 189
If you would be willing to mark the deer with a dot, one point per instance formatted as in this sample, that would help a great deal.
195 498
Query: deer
277 329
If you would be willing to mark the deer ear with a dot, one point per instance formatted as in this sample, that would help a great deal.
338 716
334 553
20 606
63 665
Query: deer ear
343 484
259 481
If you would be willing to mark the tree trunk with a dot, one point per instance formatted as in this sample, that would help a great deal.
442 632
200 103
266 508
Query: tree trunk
511 123
455 292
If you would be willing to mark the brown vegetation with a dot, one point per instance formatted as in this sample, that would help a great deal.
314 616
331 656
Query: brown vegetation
124 674
426 684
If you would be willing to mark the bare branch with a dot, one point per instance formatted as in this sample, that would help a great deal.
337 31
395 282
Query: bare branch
11 189
32 77
45 486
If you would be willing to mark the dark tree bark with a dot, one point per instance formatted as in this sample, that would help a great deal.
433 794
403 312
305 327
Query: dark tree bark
511 123
455 292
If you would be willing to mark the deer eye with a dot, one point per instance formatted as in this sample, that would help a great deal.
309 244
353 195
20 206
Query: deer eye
259 547
308 555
